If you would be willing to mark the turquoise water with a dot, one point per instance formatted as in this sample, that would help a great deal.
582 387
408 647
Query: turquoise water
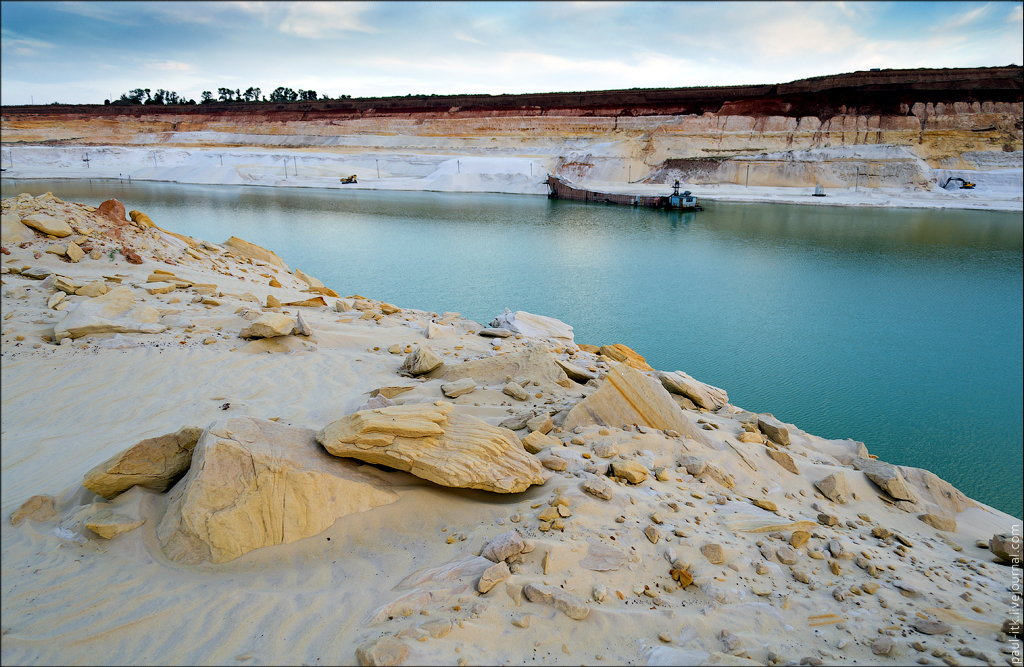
900 328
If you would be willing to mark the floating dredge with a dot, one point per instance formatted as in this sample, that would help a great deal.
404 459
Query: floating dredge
562 189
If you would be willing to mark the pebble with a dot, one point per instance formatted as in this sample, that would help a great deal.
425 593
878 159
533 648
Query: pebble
713 552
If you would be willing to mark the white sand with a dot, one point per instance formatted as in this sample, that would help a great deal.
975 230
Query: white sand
68 407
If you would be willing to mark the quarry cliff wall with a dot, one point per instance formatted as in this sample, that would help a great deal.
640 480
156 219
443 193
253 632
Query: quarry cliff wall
888 127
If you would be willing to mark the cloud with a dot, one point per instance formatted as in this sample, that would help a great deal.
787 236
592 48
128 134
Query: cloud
963 19
466 38
1016 14
171 66
22 46
318 20
95 11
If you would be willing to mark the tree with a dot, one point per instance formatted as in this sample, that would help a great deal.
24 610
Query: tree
225 94
134 95
307 95
207 97
282 94
251 94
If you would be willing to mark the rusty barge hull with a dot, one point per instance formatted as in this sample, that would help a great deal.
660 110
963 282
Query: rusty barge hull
560 189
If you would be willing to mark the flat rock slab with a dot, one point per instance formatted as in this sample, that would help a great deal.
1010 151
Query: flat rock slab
443 575
47 224
426 440
774 429
537 364
458 388
382 652
114 312
783 459
269 325
834 487
887 477
503 546
535 326
928 626
253 251
703 395
492 332
108 525
255 483
36 508
602 557
569 604
153 463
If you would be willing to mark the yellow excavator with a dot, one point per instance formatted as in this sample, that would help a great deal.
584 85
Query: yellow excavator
349 179
964 185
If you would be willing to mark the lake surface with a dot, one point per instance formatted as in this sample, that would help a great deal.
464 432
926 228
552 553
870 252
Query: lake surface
901 328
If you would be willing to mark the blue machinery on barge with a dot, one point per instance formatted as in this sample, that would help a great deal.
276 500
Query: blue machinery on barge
561 189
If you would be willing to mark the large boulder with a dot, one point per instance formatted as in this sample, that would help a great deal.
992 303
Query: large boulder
269 325
536 364
774 429
887 477
255 483
253 251
420 361
627 396
112 209
834 487
1006 547
47 224
153 463
114 312
703 395
535 326
430 442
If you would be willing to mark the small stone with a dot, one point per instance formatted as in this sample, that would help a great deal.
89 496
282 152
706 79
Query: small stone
536 442
834 487
458 388
599 592
653 534
503 546
937 522
598 488
571 605
522 621
786 555
828 519
801 576
606 450
631 471
869 587
713 552
493 576
882 646
541 423
927 626
383 651
765 505
665 637
556 463
36 508
799 538
515 391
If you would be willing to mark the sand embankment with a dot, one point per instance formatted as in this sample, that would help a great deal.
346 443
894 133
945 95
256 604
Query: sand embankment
668 534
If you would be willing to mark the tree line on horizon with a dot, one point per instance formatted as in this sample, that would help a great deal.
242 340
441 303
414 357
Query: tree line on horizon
145 96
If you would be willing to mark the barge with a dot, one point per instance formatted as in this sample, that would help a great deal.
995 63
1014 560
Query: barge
562 189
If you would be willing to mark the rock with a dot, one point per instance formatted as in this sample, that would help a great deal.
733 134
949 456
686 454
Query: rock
702 395
93 289
627 396
390 392
108 525
74 253
302 325
516 422
273 301
556 463
799 538
631 471
382 651
253 251
774 429
378 401
515 391
159 288
602 557
13 231
59 250
308 279
36 508
343 306
600 591
765 505
786 554
458 388
937 522
834 487
882 646
713 552
495 333
434 330
1006 547
536 364
269 325
694 465
887 477
622 354
928 626
255 483
541 423
141 219
153 463
536 442
827 519
419 362
493 576
114 312
606 450
112 209
47 224
783 459
130 255
503 546
598 488
571 605
54 299
653 534
751 438
315 302
424 439
535 326
801 576
576 373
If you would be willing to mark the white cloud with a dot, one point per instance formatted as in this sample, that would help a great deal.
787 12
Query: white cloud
22 46
466 38
318 20
963 19
1016 14
171 66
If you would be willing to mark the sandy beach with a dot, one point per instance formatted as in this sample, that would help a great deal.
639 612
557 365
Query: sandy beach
315 477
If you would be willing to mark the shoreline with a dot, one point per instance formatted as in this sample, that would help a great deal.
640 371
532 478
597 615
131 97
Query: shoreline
997 189
784 565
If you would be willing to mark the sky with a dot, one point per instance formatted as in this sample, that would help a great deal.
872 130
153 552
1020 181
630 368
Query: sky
86 52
